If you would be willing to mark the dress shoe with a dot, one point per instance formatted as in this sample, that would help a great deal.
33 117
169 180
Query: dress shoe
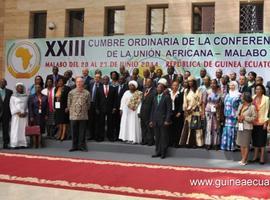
262 163
5 146
156 155
216 147
150 144
73 149
163 157
90 138
83 149
208 147
143 143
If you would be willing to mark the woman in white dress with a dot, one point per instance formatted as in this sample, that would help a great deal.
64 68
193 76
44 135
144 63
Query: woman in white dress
130 129
19 112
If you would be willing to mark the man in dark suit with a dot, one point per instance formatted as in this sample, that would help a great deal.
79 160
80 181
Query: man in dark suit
54 76
251 81
160 119
124 72
146 75
219 74
136 77
149 94
120 90
153 74
171 76
93 115
200 80
70 81
243 85
5 114
106 106
87 79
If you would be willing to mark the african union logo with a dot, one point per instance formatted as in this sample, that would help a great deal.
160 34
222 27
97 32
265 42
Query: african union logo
23 59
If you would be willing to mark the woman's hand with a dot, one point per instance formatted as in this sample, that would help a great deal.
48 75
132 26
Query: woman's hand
265 125
166 123
241 118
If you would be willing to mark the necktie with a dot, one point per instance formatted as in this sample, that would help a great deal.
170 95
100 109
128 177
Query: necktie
1 93
106 91
158 98
94 92
146 92
119 89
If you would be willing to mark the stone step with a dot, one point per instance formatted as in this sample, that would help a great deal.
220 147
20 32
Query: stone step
120 147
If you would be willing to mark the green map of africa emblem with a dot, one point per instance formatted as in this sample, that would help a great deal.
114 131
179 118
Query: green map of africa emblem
25 55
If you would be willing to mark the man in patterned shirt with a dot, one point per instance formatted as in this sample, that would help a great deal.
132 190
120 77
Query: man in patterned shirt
78 105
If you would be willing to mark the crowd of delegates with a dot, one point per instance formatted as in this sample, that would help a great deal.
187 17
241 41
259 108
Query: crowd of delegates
227 112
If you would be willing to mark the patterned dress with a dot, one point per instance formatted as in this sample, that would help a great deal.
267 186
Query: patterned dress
231 104
213 116
191 137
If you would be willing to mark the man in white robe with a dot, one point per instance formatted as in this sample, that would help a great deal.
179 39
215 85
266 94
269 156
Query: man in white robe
19 110
130 129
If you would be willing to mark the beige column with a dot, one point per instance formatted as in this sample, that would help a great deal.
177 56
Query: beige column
266 18
179 17
58 17
94 20
136 18
227 16
16 26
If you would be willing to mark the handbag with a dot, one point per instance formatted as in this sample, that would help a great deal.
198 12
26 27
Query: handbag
196 121
32 130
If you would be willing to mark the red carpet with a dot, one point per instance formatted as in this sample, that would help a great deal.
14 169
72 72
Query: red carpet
145 180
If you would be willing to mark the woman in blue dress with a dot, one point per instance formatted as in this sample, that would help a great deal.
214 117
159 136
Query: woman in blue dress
231 104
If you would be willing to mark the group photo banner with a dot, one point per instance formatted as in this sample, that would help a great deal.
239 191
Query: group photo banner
27 58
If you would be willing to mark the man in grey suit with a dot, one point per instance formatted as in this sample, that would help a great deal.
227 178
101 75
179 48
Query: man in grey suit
160 119
5 114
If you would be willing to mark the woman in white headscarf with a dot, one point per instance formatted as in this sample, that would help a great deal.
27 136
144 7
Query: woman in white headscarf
130 129
231 104
19 112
